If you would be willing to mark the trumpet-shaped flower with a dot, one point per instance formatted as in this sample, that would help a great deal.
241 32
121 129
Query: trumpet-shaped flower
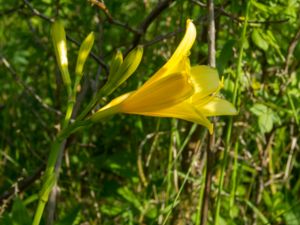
176 90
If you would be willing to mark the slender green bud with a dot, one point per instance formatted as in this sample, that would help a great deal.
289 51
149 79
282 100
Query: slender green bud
130 64
125 70
83 53
60 46
115 64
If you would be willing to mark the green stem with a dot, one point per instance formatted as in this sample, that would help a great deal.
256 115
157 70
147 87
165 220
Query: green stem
67 129
170 165
230 124
102 92
50 178
234 179
293 107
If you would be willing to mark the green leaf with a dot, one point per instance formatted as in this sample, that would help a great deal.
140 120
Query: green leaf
292 215
130 197
258 109
152 212
111 210
266 117
225 56
259 214
265 122
72 217
268 9
5 219
259 40
270 38
20 215
260 6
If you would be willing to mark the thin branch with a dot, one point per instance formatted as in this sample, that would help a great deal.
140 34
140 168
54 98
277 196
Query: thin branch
22 185
37 13
210 150
12 10
160 38
55 190
160 7
239 19
103 8
29 90
211 34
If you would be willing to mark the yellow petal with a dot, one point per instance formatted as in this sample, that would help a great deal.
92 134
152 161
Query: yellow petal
164 93
183 111
205 80
185 45
110 109
217 107
117 101
179 57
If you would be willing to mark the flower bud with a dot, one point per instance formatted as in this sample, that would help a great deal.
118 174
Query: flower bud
83 53
122 71
60 46
115 64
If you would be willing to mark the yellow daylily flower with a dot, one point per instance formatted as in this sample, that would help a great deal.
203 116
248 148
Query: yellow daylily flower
176 90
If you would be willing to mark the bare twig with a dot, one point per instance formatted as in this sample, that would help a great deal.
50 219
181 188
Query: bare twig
12 10
239 19
37 13
162 37
211 34
29 90
22 185
289 164
160 7
210 150
103 8
54 192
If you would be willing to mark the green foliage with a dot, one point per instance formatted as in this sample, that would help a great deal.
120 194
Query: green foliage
266 117
138 170
18 216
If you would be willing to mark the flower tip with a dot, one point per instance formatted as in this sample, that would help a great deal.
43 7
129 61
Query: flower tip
190 25
188 21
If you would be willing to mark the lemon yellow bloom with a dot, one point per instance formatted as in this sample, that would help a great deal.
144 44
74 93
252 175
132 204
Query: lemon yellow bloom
176 90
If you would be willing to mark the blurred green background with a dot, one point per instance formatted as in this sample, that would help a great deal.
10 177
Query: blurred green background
143 170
